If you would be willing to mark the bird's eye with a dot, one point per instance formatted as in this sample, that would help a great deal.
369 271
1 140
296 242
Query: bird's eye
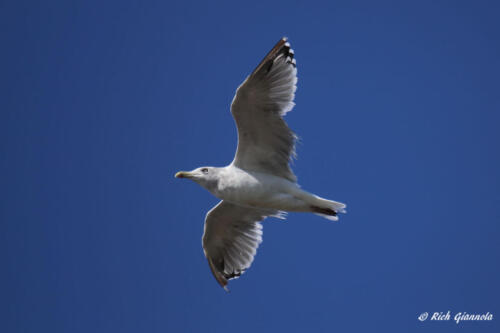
204 170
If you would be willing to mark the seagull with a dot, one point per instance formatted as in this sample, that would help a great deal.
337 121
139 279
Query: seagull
259 182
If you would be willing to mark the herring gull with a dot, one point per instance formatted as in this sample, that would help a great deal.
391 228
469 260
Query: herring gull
259 181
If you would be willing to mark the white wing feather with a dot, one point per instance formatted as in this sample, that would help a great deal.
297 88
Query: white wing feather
265 143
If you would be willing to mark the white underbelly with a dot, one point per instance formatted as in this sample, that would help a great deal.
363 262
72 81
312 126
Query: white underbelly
261 191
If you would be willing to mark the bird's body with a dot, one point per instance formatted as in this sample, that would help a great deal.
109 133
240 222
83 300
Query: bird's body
254 189
259 182
262 190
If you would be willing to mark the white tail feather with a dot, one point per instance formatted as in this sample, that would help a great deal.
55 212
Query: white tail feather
319 206
337 207
328 217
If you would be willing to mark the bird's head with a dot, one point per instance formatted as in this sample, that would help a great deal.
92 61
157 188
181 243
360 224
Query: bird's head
204 176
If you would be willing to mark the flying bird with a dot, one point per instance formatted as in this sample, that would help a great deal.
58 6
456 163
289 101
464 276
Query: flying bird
259 182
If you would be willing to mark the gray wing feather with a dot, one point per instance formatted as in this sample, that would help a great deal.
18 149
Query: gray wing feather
231 238
265 143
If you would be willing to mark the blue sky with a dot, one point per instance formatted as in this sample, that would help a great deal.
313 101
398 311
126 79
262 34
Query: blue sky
398 111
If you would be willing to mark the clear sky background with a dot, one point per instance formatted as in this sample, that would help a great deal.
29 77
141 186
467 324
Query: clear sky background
398 110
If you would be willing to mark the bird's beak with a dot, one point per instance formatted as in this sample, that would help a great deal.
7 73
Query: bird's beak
183 174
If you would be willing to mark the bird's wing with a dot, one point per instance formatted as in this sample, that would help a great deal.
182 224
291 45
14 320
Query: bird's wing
231 238
265 143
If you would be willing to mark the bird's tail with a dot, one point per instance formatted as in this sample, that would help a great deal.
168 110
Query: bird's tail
327 208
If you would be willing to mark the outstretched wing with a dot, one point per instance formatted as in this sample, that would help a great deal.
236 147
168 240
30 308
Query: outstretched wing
265 143
231 238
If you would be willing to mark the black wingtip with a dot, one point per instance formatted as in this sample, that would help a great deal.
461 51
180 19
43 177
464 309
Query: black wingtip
282 46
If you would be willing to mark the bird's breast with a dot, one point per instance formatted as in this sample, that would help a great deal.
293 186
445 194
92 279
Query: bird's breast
250 189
